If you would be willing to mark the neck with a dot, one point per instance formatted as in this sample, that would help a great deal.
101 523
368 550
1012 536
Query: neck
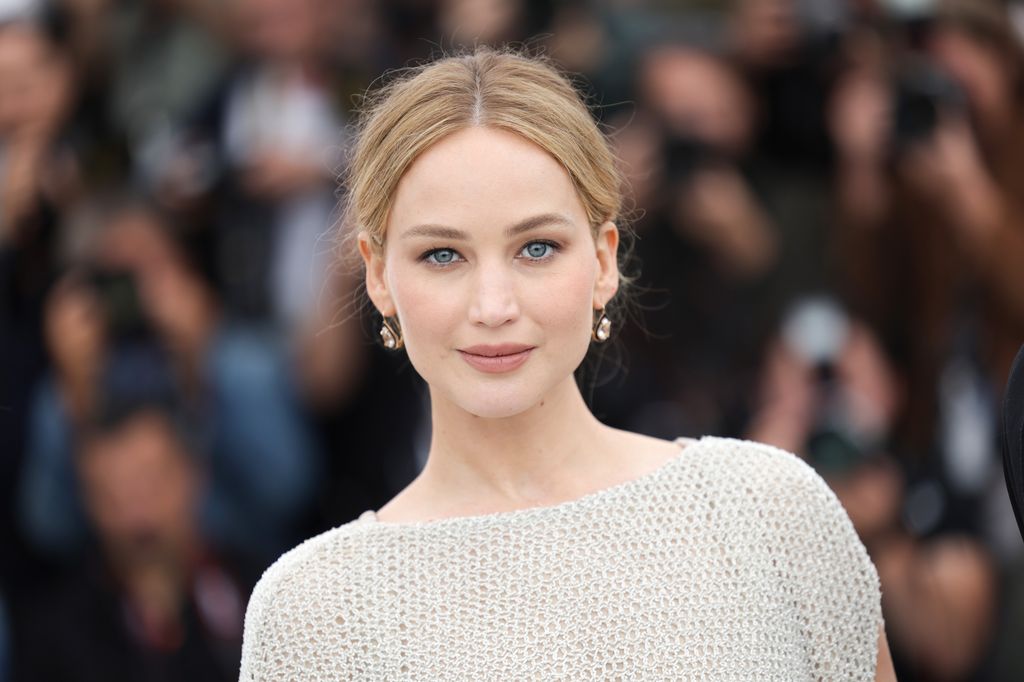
535 457
174 556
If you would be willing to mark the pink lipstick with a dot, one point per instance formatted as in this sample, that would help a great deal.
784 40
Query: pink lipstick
496 359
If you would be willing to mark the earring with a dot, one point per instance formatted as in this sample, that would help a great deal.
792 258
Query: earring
391 335
602 328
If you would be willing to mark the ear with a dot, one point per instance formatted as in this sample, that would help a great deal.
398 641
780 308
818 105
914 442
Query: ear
606 244
376 279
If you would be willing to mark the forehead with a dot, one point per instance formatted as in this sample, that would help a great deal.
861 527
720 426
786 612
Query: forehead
483 179
134 441
19 44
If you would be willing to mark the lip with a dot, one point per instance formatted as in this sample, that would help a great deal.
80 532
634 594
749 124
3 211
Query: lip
496 359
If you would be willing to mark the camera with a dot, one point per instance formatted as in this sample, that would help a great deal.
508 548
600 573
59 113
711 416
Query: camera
118 294
816 330
686 155
923 95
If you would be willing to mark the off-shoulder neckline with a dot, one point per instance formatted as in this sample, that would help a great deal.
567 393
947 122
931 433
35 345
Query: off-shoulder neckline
369 517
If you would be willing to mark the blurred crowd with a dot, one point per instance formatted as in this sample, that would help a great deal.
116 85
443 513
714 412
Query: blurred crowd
828 205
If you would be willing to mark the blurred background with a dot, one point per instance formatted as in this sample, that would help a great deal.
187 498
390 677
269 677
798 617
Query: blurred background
828 198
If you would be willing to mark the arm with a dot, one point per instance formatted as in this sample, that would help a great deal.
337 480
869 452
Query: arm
49 507
984 217
994 238
267 463
884 671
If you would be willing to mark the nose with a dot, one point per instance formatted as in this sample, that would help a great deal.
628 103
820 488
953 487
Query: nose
494 299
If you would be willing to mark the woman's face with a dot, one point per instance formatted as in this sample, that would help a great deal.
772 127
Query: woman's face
493 271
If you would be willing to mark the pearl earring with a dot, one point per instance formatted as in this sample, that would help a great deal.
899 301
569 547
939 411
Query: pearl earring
391 335
602 330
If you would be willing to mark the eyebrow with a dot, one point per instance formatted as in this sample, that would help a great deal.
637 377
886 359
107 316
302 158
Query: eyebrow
444 232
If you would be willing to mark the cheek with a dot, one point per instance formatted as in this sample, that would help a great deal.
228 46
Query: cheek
429 310
565 302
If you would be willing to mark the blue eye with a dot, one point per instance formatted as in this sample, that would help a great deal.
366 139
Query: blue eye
441 256
538 250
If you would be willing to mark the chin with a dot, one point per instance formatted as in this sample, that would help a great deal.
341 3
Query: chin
496 404
495 398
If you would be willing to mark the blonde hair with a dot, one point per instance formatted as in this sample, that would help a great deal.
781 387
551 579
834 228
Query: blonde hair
492 88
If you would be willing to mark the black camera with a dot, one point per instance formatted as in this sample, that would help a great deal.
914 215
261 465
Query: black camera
816 330
686 155
118 294
923 95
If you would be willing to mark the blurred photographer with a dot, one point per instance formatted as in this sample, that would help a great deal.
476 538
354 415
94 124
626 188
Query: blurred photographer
137 316
45 143
261 155
929 130
37 91
706 116
706 241
153 600
928 124
830 392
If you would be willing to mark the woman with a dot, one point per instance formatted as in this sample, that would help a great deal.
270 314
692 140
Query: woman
538 543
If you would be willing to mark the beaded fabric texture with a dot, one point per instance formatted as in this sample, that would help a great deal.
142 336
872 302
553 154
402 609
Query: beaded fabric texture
733 561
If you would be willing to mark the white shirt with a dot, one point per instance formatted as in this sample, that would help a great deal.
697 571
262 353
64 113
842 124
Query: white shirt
733 561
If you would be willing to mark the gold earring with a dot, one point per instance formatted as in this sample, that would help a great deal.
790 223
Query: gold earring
391 334
602 330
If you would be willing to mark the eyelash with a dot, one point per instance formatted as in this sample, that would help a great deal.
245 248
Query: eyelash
555 248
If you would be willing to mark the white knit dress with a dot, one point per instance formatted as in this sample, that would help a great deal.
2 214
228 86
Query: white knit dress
733 561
